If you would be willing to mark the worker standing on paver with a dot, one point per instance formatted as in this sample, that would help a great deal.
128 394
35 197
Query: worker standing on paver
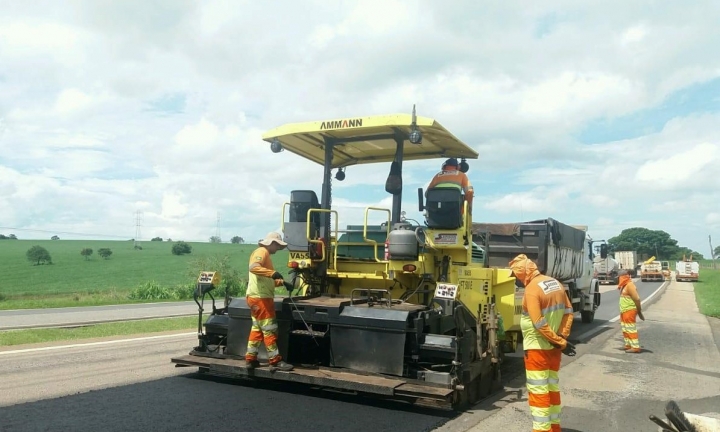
546 321
630 310
262 280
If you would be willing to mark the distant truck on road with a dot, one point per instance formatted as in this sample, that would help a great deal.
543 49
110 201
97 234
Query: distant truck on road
687 270
628 261
651 270
606 270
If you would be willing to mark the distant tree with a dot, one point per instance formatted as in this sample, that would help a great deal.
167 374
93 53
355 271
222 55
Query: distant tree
169 239
237 240
156 239
645 242
3 237
12 237
181 248
716 252
38 255
54 238
104 252
687 253
215 239
86 252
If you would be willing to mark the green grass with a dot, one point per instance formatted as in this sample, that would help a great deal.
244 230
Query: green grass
71 280
707 292
19 337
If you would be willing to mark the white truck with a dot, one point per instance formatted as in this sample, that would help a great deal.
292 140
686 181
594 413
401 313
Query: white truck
688 271
606 270
559 250
651 271
628 261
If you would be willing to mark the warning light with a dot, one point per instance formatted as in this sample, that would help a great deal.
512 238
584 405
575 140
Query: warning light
409 268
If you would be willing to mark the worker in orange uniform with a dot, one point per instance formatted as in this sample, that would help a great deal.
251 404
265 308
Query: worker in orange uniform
630 310
450 176
545 323
262 280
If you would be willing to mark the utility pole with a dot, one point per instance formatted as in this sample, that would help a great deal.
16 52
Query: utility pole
138 224
217 226
712 251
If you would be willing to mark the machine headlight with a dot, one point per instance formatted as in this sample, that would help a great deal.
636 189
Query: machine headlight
276 146
415 136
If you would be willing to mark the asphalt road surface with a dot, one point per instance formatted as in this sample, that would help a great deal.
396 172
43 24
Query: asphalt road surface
53 317
132 386
609 308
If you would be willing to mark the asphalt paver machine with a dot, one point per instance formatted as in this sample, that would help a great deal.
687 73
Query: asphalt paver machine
399 309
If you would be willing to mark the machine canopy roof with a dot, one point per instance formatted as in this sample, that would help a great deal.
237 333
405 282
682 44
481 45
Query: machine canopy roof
362 140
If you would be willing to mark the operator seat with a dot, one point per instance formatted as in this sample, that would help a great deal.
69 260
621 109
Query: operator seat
296 228
444 208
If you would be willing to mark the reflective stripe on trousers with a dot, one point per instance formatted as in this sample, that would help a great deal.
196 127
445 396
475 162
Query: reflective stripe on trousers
264 329
629 329
543 385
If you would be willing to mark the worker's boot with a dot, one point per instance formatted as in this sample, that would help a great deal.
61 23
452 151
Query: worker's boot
282 366
252 364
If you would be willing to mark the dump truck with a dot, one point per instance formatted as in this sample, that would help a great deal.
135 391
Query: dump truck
418 293
687 270
559 250
628 260
651 270
606 270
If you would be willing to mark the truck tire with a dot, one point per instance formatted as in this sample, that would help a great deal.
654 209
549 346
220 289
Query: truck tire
587 316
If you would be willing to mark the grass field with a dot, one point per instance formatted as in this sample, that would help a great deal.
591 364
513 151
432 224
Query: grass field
71 280
707 292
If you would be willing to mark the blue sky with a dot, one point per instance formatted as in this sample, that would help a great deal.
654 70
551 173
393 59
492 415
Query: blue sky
598 114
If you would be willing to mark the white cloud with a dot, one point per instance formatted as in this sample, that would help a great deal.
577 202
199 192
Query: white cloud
71 100
77 81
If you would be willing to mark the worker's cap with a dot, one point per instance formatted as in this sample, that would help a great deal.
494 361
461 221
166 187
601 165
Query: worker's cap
450 162
272 237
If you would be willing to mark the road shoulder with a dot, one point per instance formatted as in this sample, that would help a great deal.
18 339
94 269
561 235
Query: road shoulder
603 388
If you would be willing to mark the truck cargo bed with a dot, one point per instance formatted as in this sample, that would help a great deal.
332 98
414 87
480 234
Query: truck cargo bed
557 248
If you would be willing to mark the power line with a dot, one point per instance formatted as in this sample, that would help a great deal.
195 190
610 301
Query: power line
62 232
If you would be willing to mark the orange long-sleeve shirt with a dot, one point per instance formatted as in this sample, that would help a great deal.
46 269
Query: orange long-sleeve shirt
261 270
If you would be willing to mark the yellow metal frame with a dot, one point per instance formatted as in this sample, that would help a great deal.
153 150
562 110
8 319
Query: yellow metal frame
307 232
365 225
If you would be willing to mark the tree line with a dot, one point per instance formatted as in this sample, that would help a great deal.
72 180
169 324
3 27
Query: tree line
657 243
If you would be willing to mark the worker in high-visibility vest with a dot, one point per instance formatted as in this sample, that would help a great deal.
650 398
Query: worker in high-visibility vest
630 310
260 297
545 323
450 176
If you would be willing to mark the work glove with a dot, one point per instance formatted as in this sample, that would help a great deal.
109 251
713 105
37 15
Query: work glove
641 316
277 275
569 350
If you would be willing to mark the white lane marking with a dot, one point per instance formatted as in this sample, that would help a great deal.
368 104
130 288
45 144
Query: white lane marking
50 348
613 320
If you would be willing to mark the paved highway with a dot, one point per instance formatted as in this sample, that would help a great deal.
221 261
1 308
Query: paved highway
132 386
128 385
608 310
55 317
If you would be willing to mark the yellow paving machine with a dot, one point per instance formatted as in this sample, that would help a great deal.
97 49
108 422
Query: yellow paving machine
401 309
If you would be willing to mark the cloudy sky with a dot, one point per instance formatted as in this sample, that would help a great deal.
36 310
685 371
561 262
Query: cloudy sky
595 113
